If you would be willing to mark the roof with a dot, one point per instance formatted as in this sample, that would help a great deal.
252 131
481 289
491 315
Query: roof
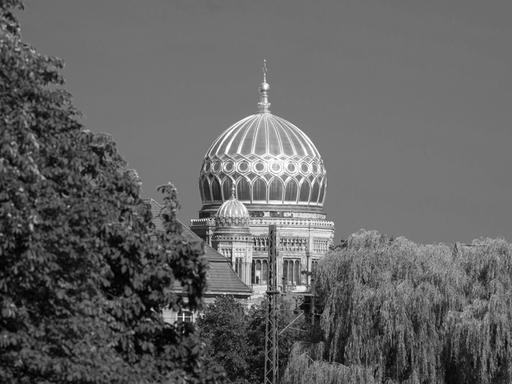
264 134
269 160
233 209
221 279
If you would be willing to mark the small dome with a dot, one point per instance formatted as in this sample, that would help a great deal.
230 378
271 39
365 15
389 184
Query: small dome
232 212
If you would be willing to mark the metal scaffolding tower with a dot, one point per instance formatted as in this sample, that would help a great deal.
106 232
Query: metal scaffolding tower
271 326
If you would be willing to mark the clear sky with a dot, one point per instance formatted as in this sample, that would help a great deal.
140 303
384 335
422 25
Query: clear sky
409 102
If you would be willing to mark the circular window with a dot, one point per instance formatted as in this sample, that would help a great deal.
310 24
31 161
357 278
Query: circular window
206 166
304 167
275 167
259 167
216 166
229 166
291 167
315 168
243 166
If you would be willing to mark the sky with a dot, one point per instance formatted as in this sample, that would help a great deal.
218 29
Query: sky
409 102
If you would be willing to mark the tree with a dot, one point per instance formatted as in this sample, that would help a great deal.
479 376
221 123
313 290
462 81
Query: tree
479 332
84 274
398 312
223 326
235 337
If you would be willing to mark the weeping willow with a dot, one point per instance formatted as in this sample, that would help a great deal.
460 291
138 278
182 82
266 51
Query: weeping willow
303 369
479 336
415 314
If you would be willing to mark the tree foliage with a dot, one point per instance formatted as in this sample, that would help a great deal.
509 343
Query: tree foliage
304 368
84 275
223 326
414 313
235 337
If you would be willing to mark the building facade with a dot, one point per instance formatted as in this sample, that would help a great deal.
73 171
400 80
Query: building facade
264 170
221 279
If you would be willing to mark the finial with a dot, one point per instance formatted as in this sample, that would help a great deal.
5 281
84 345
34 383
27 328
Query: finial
233 192
264 105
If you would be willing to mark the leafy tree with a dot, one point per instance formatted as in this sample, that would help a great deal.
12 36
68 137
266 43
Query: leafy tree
84 275
223 326
398 312
235 337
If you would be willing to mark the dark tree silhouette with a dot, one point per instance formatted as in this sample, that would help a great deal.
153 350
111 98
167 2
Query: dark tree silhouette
84 275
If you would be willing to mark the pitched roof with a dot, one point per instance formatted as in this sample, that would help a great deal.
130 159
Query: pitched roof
221 279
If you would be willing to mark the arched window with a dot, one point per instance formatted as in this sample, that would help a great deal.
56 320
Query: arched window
322 192
291 272
259 190
201 188
264 272
314 266
314 192
291 191
205 190
296 272
216 193
256 272
226 188
304 191
243 190
238 266
275 190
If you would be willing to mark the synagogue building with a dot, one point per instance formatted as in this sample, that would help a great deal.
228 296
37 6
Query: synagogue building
264 170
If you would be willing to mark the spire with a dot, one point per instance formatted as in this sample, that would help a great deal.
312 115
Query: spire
264 105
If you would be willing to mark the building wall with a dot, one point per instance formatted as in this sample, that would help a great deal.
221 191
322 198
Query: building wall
302 243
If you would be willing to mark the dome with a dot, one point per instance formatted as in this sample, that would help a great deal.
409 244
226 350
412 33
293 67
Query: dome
267 159
232 212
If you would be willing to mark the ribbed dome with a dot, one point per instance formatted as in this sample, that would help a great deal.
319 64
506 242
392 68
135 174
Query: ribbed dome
269 160
232 208
232 212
